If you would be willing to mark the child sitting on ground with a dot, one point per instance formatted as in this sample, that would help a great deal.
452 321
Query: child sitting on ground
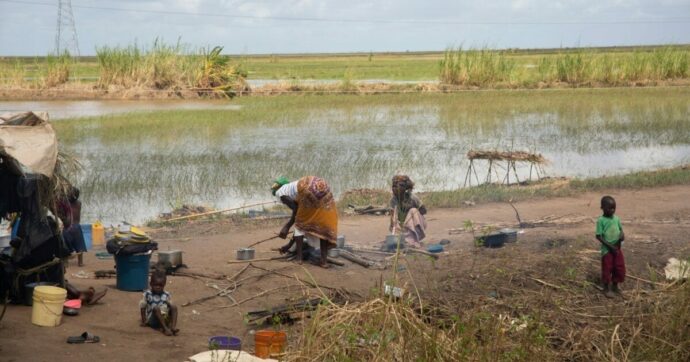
157 310
609 232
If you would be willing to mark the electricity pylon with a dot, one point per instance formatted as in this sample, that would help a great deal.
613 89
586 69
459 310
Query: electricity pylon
66 36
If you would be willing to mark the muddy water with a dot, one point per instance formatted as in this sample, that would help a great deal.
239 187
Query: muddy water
71 109
225 154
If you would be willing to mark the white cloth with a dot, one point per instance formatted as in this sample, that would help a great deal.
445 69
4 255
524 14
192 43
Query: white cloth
289 190
227 355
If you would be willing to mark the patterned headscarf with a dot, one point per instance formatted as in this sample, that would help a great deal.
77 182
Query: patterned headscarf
278 183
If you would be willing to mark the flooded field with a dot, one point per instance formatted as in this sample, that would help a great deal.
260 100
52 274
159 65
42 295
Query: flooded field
157 157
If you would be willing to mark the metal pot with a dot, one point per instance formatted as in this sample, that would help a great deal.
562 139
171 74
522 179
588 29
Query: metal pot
333 252
245 254
174 257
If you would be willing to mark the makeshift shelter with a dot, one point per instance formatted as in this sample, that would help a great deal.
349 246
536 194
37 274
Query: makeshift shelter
31 182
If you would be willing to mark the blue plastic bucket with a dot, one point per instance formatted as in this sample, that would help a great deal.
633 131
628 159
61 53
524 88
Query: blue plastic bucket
132 271
86 231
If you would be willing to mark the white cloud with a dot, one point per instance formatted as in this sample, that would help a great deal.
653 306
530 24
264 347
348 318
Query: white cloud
260 34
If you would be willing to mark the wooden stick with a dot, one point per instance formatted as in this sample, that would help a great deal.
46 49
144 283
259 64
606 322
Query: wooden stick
311 284
220 211
265 240
548 284
255 296
239 273
253 260
423 252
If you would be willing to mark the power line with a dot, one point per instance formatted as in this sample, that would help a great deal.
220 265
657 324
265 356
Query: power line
365 21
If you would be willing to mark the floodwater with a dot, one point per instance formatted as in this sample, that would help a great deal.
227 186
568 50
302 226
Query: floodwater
160 155
70 109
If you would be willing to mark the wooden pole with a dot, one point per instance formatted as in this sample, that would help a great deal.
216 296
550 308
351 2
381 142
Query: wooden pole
220 211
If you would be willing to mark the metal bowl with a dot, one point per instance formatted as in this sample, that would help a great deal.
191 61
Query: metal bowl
245 254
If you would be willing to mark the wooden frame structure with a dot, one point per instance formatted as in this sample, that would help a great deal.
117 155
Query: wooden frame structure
535 160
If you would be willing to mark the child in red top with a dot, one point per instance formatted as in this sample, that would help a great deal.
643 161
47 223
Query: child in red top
610 234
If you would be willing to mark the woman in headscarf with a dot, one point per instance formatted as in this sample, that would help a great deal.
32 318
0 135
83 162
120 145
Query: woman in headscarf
313 213
407 211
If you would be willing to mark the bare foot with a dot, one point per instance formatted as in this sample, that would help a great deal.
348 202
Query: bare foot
167 332
325 265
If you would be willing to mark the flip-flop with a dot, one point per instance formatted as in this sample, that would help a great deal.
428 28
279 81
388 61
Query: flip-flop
85 337
96 296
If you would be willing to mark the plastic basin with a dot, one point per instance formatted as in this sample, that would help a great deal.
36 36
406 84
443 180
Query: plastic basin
225 342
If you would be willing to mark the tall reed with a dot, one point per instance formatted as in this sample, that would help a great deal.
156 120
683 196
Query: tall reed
487 68
476 67
57 70
12 74
165 66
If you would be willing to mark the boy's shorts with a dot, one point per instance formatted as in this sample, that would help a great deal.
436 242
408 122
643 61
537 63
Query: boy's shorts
153 321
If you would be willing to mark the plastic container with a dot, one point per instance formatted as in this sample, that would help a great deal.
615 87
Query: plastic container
15 229
86 231
511 235
132 271
493 240
267 343
97 234
435 248
340 242
29 291
392 242
47 308
225 342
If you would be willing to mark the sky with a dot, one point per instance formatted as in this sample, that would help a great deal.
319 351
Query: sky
28 27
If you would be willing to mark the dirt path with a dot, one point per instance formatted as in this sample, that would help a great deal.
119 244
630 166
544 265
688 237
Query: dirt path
656 222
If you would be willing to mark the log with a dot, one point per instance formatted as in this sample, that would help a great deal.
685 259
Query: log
334 261
355 258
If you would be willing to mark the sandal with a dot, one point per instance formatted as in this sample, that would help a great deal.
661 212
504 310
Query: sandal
85 337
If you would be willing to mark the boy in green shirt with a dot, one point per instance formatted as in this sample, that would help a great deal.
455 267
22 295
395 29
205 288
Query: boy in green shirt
610 234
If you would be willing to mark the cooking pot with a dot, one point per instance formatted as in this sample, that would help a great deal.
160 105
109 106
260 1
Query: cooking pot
174 257
245 254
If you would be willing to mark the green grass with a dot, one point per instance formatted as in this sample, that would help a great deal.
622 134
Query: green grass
609 66
546 189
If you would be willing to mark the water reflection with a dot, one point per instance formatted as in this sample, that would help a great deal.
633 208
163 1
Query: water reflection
138 165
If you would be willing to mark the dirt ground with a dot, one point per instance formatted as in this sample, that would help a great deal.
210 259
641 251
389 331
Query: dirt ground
656 222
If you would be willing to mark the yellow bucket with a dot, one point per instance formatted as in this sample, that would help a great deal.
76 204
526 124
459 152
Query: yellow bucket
47 308
97 233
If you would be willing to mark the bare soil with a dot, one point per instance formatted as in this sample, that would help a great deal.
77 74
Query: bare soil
86 91
656 223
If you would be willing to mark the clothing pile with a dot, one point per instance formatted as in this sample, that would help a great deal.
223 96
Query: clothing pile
130 240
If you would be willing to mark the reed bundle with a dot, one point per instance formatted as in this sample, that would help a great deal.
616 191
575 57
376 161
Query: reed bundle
506 156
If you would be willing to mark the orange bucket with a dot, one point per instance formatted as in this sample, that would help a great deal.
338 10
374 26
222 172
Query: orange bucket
267 343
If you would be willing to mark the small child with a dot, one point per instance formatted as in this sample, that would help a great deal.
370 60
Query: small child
610 234
156 309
